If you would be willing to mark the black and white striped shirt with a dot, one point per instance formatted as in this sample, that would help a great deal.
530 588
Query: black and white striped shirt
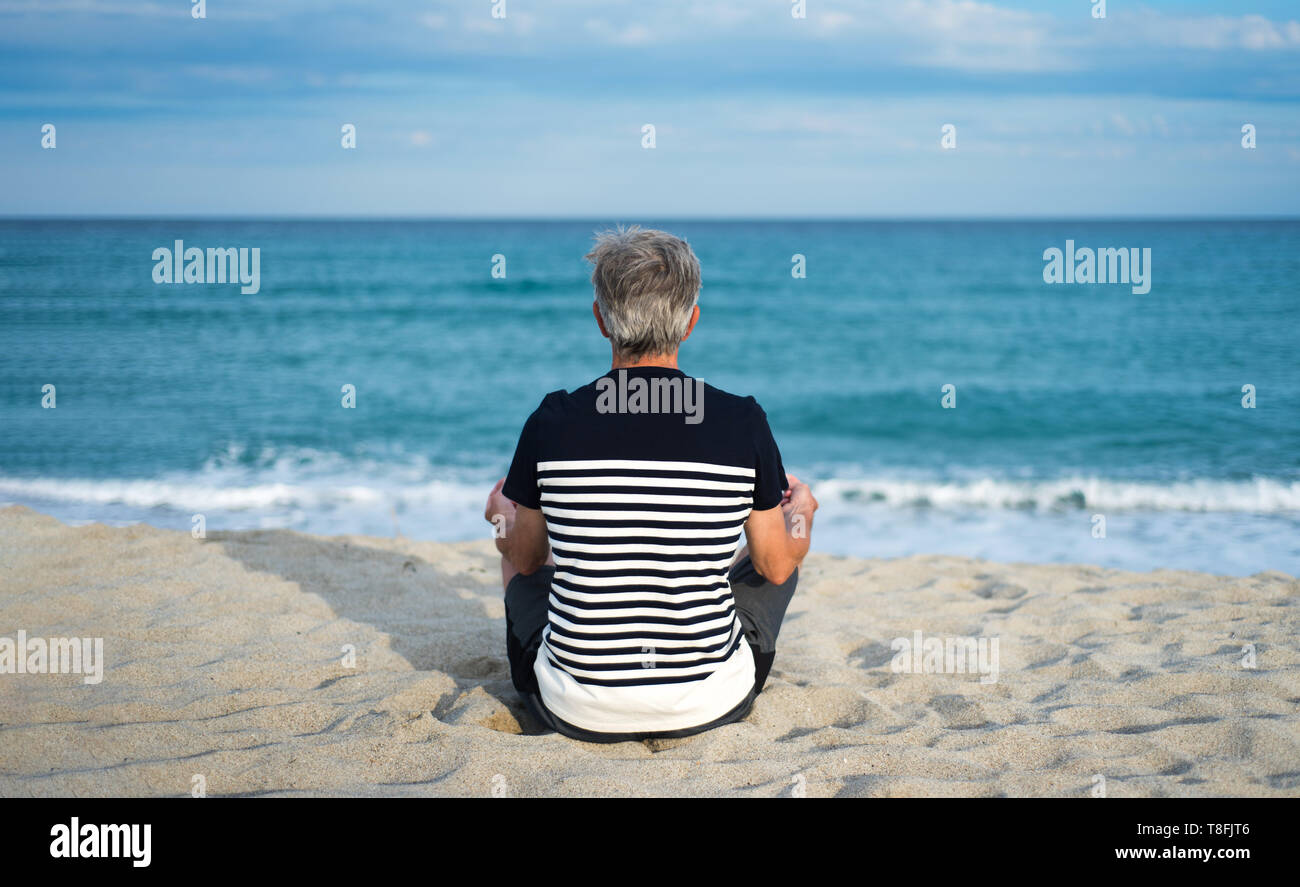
645 512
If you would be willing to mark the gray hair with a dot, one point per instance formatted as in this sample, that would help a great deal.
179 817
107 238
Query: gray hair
646 284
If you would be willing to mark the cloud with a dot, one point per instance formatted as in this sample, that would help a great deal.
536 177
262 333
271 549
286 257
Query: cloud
627 35
242 75
1220 33
845 47
974 36
92 6
956 34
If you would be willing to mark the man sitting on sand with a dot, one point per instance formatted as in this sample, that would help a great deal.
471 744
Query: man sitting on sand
629 614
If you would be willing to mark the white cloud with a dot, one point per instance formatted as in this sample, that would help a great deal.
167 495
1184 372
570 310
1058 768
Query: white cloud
244 75
1218 32
959 34
625 35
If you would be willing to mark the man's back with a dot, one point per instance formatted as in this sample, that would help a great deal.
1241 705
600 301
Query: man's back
644 511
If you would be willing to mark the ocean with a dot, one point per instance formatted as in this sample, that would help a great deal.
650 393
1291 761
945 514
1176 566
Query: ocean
1070 402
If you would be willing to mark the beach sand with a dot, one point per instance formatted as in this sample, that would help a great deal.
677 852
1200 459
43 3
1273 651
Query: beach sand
224 659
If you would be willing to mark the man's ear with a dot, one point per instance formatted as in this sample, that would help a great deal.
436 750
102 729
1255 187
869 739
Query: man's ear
600 321
695 316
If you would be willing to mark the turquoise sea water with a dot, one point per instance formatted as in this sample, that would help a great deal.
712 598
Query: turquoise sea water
1072 400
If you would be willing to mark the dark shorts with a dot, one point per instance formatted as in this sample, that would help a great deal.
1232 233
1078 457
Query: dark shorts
760 606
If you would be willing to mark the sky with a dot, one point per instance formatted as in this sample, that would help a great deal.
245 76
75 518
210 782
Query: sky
756 113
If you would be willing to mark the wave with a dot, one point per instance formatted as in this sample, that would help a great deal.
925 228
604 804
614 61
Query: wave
1214 525
198 495
1257 495
328 482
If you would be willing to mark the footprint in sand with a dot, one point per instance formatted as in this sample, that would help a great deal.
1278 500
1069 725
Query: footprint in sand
1001 590
958 712
480 667
872 655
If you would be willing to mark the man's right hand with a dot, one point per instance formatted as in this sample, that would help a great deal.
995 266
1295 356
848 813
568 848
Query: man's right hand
798 499
498 504
779 539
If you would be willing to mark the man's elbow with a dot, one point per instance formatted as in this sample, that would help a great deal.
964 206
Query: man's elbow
530 562
776 571
782 577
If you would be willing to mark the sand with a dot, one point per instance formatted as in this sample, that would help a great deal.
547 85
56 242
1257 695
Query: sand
224 668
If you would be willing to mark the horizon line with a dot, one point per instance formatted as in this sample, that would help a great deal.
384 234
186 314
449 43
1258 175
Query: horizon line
149 217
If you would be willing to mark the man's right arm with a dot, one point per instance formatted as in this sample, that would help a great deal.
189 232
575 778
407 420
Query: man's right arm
779 537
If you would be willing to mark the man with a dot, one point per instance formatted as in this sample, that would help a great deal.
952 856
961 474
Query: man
626 617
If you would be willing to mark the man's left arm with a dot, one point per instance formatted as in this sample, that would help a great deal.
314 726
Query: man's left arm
521 532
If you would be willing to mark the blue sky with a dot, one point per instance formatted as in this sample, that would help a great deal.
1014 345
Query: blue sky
756 113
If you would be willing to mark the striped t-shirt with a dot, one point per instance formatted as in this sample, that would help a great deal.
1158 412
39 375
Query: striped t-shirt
645 512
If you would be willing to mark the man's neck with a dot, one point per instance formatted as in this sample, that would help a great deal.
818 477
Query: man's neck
668 361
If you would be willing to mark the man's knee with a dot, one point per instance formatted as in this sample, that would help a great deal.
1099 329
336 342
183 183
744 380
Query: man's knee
762 606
